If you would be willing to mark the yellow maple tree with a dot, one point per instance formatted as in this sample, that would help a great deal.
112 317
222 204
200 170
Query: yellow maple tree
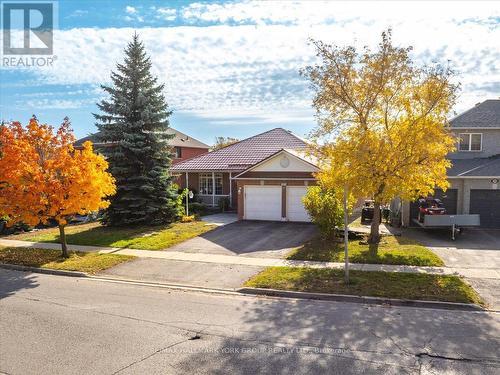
382 123
43 177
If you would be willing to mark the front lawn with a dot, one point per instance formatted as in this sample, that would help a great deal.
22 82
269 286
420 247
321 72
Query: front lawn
83 262
376 284
390 250
144 238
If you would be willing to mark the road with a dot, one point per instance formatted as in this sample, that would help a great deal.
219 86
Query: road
61 325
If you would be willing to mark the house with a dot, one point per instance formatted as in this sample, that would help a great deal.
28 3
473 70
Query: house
183 146
264 176
475 173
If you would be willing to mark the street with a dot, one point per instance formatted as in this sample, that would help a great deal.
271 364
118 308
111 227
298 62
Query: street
61 325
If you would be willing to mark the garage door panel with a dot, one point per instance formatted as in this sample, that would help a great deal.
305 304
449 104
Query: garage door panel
486 203
262 202
295 208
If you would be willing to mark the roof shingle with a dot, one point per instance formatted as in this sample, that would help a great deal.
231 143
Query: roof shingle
483 115
475 167
180 140
243 154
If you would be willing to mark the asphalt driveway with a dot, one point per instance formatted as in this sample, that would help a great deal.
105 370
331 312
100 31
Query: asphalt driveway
250 238
198 274
475 248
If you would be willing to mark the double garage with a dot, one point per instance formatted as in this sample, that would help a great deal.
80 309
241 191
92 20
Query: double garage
274 202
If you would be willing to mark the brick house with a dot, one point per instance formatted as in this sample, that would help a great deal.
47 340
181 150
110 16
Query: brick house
264 176
183 146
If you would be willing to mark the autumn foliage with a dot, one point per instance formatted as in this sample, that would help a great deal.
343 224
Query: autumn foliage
43 178
382 123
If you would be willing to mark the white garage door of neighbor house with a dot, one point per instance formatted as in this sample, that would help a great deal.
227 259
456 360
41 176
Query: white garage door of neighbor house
294 207
262 202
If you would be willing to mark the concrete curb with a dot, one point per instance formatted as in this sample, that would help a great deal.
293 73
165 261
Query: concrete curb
164 285
362 299
261 291
49 271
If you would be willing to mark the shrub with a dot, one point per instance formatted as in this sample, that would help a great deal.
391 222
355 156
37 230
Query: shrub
180 204
188 219
223 204
197 208
326 208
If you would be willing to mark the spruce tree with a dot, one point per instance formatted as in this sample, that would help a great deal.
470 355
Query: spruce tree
133 123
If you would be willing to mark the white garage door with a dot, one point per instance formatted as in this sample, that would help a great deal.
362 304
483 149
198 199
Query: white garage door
262 202
294 207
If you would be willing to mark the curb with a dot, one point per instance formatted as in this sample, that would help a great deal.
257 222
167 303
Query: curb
49 271
263 292
185 287
362 299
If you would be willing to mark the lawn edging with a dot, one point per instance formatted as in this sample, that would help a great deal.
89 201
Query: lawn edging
50 271
362 299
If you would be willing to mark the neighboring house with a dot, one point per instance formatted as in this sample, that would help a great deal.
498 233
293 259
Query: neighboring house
264 176
475 172
183 146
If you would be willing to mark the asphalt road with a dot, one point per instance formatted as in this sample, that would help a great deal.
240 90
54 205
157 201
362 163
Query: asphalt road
60 325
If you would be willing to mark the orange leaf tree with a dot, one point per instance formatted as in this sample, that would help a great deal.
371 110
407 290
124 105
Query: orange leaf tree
43 178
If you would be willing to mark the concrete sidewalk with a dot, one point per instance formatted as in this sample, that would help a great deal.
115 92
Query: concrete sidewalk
482 273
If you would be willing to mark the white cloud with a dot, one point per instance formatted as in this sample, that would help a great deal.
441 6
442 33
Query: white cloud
318 12
167 14
43 104
130 10
223 69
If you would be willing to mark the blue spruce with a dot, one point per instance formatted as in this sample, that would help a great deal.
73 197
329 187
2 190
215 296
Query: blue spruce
133 124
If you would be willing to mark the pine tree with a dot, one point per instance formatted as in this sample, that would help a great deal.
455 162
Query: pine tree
133 124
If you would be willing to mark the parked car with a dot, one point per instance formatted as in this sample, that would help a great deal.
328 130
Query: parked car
430 206
367 212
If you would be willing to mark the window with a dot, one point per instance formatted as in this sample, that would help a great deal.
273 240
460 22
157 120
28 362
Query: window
177 152
470 142
206 183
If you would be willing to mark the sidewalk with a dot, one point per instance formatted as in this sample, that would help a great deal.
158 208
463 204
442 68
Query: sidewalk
263 262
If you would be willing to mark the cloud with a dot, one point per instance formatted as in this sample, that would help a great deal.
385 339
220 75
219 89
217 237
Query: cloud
250 58
78 13
45 103
167 14
130 10
319 12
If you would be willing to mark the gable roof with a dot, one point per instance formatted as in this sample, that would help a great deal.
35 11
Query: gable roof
301 156
475 167
180 140
483 115
243 154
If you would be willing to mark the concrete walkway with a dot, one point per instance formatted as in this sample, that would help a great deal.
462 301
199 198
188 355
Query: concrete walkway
482 273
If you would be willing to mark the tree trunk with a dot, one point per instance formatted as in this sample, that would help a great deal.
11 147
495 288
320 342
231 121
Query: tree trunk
374 237
64 246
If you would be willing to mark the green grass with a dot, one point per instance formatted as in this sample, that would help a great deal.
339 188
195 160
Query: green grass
78 261
390 250
143 238
376 284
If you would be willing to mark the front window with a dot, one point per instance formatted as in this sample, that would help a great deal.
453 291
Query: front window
177 152
470 142
206 183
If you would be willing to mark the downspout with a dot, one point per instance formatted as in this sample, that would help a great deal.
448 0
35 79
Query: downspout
213 189
230 189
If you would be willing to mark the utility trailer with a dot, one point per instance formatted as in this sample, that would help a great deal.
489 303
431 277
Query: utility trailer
456 222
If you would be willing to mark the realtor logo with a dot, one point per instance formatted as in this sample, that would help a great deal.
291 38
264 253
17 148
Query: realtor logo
28 28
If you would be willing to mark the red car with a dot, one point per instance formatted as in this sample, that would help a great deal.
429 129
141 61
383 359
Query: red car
430 206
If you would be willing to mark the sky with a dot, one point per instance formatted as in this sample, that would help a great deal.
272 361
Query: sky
232 68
